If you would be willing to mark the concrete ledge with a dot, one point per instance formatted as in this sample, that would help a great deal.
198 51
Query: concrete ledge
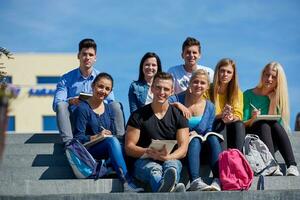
89 186
228 195
47 187
39 160
33 138
35 173
34 149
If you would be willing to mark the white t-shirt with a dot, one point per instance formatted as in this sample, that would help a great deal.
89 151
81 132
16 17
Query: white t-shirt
149 98
182 77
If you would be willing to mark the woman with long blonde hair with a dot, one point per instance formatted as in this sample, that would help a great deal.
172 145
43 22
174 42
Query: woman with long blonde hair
200 123
270 97
228 99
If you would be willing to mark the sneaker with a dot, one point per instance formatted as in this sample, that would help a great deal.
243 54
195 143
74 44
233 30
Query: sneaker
292 171
131 188
168 180
199 185
179 187
215 185
277 172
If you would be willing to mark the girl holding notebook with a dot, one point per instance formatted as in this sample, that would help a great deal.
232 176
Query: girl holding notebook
270 97
94 119
200 123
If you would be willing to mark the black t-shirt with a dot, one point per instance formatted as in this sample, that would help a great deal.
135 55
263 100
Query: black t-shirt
153 128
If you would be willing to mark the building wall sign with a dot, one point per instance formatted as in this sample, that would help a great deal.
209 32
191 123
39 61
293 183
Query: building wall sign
41 92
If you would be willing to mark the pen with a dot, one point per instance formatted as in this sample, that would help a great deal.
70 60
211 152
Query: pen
102 127
253 106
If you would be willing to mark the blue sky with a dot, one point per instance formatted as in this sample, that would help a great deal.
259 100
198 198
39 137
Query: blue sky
252 33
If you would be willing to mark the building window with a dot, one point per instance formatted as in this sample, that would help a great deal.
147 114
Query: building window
8 79
11 125
47 79
49 123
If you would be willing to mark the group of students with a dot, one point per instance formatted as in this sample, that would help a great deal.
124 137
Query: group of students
168 106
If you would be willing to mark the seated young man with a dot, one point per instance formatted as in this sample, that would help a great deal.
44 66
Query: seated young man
191 54
78 80
160 121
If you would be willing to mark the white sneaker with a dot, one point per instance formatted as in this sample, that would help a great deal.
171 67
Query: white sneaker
179 187
131 188
199 185
277 172
292 171
215 185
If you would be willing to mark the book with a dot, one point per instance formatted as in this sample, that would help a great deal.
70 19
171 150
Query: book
159 144
266 117
99 138
84 96
203 138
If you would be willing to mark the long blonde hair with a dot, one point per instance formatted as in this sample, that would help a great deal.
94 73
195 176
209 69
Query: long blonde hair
233 85
279 98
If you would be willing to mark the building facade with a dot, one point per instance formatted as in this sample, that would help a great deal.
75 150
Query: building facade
35 76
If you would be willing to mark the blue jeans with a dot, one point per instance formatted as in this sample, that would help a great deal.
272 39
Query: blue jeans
119 119
111 148
150 171
63 121
194 156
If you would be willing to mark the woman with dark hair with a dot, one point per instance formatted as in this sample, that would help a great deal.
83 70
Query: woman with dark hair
228 99
139 93
94 118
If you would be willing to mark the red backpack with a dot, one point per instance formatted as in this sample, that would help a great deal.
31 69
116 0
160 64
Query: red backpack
234 171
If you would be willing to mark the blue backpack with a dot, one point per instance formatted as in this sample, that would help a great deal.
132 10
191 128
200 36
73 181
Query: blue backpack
82 162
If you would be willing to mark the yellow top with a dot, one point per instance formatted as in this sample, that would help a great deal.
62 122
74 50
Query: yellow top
237 106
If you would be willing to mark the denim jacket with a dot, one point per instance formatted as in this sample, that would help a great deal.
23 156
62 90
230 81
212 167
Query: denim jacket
137 95
205 125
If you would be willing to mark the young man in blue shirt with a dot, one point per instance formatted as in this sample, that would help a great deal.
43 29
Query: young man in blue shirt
79 80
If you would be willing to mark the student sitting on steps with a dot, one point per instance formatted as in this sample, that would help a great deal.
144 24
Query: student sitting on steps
93 118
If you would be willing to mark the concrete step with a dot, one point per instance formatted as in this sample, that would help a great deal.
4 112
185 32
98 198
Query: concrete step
40 160
55 138
88 186
50 148
33 138
47 187
34 149
226 195
35 173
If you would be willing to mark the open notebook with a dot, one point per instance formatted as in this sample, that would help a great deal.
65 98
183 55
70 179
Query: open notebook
159 144
266 117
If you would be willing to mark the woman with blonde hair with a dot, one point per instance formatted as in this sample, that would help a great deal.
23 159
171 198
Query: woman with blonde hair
270 97
228 99
200 123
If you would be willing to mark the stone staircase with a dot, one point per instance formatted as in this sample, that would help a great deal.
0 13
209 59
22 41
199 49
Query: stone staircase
34 166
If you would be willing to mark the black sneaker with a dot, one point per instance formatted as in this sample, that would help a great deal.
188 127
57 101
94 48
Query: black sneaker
168 180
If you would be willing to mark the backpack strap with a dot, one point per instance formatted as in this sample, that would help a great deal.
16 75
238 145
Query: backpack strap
261 183
99 171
